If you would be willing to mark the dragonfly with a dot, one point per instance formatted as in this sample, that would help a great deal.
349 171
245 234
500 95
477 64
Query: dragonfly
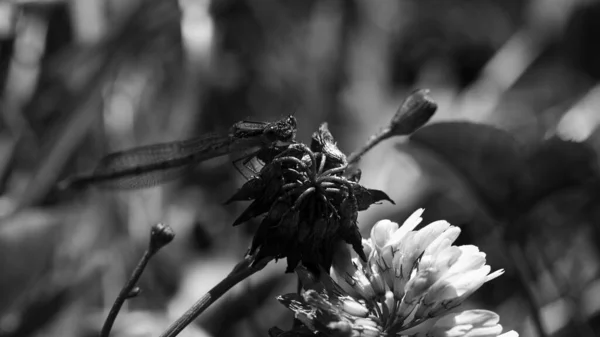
155 164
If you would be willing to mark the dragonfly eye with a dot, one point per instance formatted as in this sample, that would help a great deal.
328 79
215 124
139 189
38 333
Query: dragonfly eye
291 120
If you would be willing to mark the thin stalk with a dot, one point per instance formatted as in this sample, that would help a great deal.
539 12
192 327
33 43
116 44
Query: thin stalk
240 272
356 156
160 236
125 293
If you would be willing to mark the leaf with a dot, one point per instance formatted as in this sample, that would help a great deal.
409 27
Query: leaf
490 159
557 164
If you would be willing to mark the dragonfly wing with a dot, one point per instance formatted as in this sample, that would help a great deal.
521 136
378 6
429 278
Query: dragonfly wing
141 180
206 146
247 164
154 164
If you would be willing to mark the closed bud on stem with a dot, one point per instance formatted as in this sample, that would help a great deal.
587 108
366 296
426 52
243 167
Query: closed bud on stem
415 111
160 236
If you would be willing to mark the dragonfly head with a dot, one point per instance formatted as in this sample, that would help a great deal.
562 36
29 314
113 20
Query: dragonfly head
283 131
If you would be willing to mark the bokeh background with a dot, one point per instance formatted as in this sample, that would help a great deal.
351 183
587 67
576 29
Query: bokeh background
510 156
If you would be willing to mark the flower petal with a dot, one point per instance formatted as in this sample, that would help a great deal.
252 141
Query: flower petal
409 224
382 232
470 323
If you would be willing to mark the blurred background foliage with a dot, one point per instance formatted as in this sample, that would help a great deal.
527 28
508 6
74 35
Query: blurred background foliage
511 156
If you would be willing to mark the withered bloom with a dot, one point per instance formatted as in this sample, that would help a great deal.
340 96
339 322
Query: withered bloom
309 204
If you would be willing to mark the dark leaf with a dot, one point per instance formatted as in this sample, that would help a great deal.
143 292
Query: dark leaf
559 164
489 158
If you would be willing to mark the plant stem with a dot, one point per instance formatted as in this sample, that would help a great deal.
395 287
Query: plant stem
125 293
160 236
240 272
355 157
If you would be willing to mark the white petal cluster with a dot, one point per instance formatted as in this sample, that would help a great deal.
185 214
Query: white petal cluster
412 285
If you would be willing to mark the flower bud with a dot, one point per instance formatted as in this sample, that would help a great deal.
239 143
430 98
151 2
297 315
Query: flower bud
160 236
414 112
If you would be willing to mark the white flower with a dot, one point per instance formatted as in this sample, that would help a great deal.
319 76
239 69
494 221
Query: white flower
412 285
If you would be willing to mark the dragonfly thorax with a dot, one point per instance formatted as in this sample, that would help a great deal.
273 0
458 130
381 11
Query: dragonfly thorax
283 131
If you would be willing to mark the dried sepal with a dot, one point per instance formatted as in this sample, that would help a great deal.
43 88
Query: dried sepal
355 175
265 198
366 197
256 208
322 141
249 191
349 230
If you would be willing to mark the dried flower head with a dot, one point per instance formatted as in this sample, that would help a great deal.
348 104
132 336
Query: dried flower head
411 285
308 202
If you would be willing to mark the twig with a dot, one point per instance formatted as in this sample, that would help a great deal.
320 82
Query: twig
240 272
414 112
160 236
382 135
